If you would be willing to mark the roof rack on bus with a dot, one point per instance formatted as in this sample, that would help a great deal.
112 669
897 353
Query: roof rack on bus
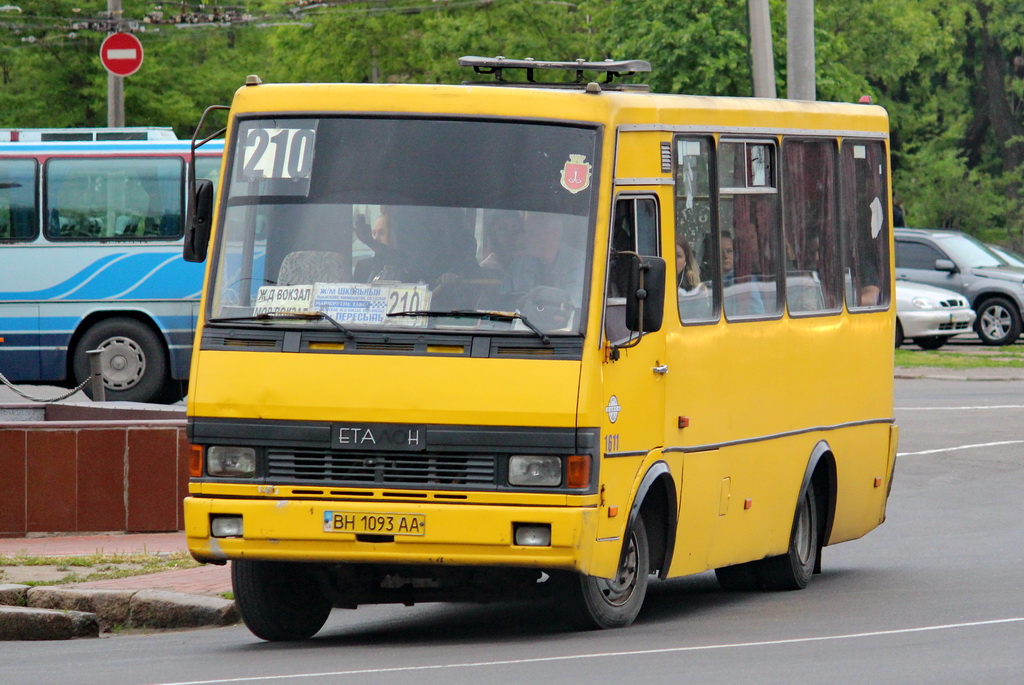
610 68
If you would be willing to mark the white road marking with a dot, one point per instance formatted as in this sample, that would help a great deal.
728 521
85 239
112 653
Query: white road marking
993 406
960 447
602 655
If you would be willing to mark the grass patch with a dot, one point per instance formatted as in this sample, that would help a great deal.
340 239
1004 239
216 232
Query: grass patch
89 567
1004 357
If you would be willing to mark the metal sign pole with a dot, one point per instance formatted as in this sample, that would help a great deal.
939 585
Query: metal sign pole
115 84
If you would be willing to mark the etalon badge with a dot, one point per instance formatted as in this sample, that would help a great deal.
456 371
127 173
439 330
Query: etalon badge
576 174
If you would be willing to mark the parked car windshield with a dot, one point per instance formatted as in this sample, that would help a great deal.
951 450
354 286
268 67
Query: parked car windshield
969 251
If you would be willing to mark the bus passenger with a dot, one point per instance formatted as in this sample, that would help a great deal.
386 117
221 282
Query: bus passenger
687 270
502 238
544 259
741 296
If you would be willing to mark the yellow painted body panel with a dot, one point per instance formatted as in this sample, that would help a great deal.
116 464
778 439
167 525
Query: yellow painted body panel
758 395
293 530
389 388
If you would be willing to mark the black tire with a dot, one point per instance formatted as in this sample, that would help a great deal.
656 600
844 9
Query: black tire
931 342
279 601
739 578
793 570
134 360
597 603
899 333
998 321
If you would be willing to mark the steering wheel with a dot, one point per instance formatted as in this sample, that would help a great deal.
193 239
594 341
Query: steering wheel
548 308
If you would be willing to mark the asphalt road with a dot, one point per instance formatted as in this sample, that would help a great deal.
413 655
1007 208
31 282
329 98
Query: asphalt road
933 596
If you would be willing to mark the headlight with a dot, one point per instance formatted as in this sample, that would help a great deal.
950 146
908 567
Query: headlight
924 303
236 462
534 470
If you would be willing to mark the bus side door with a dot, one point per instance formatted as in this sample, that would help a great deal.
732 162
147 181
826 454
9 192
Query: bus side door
634 366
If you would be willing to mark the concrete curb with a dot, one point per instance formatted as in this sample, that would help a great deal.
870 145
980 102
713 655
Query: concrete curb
60 613
23 623
943 374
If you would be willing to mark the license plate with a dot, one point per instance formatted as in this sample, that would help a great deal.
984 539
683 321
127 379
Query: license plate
377 524
960 316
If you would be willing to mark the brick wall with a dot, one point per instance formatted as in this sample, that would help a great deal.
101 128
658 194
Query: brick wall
92 475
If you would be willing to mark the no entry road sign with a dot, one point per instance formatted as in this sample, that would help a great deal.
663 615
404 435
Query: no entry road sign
121 54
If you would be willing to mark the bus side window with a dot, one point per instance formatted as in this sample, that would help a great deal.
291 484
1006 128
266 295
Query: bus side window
749 206
634 230
811 226
696 253
18 212
864 198
91 199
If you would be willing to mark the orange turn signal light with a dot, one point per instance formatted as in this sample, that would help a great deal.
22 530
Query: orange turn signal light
195 461
577 471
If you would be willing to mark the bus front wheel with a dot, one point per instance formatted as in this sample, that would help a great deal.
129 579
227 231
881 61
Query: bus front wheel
278 600
615 603
133 361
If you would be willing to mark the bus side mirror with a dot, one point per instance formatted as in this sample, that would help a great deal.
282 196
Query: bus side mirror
645 296
197 230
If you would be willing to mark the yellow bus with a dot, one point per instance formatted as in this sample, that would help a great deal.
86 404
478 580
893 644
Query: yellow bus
466 342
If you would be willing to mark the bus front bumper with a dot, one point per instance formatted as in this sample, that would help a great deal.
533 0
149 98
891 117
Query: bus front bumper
393 532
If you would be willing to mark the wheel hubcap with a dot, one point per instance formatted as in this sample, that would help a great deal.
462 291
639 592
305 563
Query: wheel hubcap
122 362
995 322
617 591
803 532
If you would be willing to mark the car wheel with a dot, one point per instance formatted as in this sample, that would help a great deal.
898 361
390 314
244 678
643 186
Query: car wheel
133 360
899 333
998 322
931 342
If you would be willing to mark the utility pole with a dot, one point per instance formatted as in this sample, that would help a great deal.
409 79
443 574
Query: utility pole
800 50
763 64
115 84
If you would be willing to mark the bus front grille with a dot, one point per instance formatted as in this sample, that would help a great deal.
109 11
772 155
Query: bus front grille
392 469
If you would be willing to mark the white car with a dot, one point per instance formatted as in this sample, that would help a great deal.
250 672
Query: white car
930 316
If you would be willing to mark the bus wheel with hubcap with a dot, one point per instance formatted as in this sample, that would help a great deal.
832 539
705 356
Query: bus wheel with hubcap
998 322
614 603
279 600
132 359
792 570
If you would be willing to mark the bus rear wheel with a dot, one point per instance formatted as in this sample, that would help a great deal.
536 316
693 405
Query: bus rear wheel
279 601
133 360
793 570
596 603
789 571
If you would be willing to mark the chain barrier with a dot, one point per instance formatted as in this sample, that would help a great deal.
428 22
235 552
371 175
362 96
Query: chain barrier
66 395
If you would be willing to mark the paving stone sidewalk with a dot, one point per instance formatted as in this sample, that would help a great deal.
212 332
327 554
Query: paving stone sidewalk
179 598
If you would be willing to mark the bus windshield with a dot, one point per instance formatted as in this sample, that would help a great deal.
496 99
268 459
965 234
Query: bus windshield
407 223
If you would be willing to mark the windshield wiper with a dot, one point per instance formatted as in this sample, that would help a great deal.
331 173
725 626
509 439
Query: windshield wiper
284 316
484 314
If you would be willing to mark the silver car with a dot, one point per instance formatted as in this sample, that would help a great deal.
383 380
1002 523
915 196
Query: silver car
958 262
930 316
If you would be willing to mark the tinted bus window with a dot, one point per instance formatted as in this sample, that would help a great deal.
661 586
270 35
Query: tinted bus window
18 217
94 199
811 226
749 224
695 237
863 209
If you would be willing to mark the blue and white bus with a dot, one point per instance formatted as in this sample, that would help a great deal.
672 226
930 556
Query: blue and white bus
90 258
